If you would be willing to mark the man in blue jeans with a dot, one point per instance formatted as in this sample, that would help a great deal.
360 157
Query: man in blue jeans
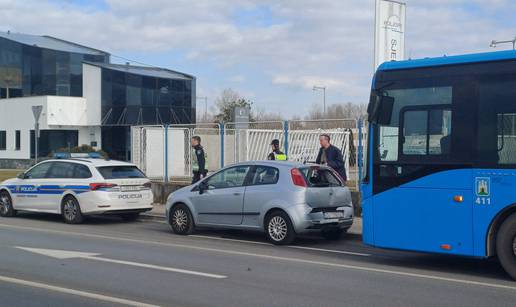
331 156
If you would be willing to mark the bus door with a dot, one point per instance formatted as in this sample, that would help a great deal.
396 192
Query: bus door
421 201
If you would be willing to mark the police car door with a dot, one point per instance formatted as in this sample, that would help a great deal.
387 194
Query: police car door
27 194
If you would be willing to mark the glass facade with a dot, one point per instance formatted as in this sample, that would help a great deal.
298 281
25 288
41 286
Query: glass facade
130 99
32 71
53 140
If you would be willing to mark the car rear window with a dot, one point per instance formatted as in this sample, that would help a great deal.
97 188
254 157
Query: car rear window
317 177
120 172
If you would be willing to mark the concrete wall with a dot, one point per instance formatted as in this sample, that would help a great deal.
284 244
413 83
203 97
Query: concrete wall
92 91
67 113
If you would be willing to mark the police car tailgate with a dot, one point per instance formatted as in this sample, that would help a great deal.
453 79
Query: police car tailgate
132 190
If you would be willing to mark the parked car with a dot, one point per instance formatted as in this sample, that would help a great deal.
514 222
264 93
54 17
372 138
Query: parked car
77 187
282 199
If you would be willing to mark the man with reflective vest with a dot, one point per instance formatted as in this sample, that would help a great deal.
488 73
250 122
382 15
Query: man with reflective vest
199 160
276 153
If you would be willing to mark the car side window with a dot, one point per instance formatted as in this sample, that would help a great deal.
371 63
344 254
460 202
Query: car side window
81 172
39 171
265 175
61 170
229 178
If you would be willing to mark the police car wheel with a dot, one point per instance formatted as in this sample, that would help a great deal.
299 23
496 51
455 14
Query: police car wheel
506 245
71 211
279 228
181 220
6 205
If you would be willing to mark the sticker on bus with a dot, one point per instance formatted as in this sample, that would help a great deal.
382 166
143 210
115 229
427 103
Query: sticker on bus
482 186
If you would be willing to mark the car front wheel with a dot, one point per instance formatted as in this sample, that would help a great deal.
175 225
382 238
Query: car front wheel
71 211
279 229
6 205
506 245
181 220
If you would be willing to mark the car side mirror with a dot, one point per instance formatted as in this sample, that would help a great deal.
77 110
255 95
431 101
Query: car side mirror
21 176
203 186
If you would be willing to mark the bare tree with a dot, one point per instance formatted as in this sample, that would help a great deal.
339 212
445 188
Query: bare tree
227 102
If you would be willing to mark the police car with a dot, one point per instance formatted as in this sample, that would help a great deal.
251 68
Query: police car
76 186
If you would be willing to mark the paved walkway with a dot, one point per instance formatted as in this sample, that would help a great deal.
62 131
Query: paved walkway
158 212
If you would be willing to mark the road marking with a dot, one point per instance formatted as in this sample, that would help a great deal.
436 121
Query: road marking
285 259
90 295
62 254
330 251
289 246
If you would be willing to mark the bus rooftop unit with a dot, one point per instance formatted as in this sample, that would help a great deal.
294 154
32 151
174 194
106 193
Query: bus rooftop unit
441 172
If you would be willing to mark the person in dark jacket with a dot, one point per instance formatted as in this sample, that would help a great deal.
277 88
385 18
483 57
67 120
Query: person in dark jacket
331 156
199 160
276 153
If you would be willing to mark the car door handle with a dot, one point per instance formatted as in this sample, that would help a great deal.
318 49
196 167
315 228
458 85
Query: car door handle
237 194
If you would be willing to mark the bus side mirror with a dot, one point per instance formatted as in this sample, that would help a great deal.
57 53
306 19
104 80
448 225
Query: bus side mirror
380 110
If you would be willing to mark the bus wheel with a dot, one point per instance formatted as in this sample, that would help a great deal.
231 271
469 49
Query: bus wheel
506 245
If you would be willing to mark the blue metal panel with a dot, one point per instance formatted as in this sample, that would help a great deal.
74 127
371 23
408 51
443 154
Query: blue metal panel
367 200
450 60
423 216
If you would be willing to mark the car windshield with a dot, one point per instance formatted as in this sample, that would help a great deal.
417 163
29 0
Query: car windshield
318 177
120 172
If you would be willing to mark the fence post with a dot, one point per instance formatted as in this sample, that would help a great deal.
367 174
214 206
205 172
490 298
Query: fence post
285 130
360 152
166 155
221 129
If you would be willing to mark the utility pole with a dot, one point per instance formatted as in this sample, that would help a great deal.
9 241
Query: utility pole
323 89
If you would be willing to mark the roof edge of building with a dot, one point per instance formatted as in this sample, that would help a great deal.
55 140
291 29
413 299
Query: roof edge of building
107 65
76 44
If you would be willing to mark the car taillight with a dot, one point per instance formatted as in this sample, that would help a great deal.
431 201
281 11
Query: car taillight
101 186
298 178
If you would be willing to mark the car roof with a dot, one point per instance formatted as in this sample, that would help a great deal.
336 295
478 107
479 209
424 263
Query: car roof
93 162
286 164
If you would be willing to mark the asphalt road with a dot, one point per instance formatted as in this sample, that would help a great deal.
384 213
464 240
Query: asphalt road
107 262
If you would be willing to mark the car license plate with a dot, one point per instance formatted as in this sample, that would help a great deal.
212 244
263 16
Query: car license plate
333 215
129 188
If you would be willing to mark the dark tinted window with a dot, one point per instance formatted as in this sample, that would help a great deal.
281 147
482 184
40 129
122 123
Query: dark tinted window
17 140
497 120
120 172
265 175
320 177
81 171
426 132
3 143
61 170
39 171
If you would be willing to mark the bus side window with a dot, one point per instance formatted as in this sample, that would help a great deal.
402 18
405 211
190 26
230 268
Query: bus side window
426 132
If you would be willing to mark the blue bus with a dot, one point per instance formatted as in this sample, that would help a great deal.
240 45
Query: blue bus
440 172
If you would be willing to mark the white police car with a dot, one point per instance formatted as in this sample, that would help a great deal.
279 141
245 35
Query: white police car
76 186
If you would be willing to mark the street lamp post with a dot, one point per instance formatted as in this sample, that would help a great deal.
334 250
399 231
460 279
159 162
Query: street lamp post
323 89
495 43
205 105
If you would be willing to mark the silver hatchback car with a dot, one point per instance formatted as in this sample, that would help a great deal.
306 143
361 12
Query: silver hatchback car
282 199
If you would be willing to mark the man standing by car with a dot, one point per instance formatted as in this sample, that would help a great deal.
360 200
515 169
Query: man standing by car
330 155
276 153
199 160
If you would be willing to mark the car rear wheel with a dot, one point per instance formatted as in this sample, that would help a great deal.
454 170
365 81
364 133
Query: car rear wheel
71 211
6 205
130 217
506 245
279 229
333 234
181 220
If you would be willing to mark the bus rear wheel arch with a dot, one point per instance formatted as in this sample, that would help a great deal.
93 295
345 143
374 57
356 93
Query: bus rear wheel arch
506 245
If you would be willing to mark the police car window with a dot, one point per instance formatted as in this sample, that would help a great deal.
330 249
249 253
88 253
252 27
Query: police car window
38 171
265 175
61 170
120 172
81 172
229 178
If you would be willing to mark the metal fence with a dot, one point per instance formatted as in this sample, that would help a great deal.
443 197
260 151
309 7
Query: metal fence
163 152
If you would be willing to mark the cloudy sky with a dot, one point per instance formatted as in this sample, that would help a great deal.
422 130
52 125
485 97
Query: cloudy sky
271 51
